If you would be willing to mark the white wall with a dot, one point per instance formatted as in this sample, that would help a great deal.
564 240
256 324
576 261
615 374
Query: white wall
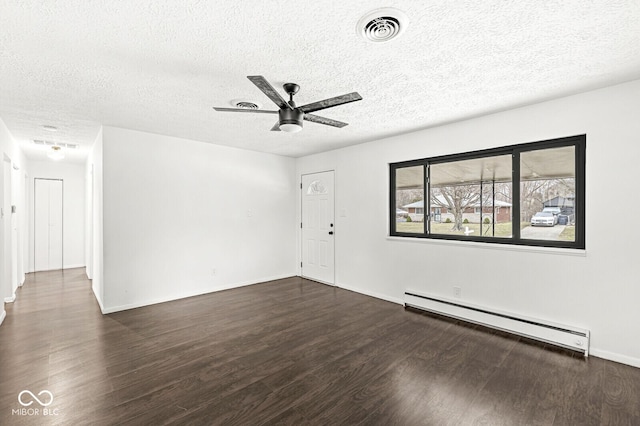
9 149
73 209
175 210
597 289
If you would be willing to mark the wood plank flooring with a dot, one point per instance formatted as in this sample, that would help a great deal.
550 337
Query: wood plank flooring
289 352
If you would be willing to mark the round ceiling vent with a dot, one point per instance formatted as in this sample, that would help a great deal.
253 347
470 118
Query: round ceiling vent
245 104
382 25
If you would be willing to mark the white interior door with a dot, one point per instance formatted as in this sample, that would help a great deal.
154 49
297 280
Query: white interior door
318 228
89 267
41 225
55 224
48 229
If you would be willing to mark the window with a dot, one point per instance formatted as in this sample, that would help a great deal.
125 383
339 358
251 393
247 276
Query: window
468 189
408 199
528 194
547 194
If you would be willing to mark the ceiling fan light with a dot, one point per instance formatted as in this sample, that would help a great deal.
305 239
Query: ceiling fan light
290 127
290 120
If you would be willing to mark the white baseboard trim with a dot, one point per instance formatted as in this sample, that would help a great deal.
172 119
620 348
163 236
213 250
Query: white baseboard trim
317 281
73 266
3 315
10 299
622 359
397 300
112 309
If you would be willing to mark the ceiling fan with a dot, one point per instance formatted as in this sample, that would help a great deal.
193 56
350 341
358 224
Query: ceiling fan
290 116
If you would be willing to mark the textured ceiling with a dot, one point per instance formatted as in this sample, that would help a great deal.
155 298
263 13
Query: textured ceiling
159 66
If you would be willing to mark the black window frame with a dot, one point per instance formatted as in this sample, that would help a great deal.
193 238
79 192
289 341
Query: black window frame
579 143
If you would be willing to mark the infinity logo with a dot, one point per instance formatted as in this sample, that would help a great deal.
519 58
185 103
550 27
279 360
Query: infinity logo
44 404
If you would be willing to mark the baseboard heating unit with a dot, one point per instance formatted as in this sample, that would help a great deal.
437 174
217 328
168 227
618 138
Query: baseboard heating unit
568 337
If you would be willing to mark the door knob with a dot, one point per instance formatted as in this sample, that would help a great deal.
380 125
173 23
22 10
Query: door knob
330 232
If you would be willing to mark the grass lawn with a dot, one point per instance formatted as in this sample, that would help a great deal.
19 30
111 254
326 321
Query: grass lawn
569 233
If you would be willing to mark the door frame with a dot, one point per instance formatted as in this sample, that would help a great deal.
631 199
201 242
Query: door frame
6 234
301 242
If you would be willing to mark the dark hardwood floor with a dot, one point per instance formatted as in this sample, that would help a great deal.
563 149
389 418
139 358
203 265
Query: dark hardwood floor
286 352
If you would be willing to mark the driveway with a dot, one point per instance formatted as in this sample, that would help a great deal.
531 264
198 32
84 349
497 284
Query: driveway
542 232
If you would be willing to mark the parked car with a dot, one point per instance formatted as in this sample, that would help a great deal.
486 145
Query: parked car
555 210
544 219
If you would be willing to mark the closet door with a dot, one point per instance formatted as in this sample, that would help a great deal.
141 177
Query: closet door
48 224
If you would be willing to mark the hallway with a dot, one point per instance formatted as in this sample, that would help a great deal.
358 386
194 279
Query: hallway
52 338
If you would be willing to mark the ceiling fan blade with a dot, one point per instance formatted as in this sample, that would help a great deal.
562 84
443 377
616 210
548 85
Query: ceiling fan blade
324 120
268 90
260 111
276 127
331 102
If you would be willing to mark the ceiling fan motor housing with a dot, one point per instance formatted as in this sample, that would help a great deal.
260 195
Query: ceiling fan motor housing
291 116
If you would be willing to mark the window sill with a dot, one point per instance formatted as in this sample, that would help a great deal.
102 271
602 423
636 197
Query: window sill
493 246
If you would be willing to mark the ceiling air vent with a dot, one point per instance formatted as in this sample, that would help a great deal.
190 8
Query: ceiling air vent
60 144
382 25
245 104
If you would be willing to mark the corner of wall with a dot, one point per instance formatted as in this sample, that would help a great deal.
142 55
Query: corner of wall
98 296
94 219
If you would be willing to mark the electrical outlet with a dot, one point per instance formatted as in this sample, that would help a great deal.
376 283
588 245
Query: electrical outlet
457 292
